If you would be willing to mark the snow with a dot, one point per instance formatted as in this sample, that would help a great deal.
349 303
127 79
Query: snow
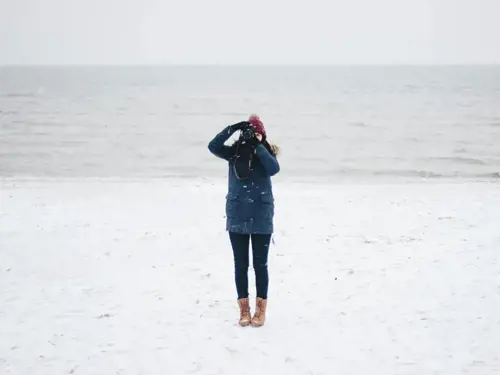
135 277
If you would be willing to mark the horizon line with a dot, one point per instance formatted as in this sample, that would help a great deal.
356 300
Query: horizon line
282 65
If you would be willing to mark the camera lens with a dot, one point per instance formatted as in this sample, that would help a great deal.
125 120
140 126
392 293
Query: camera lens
248 133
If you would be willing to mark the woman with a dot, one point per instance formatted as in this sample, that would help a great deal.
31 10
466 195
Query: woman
249 208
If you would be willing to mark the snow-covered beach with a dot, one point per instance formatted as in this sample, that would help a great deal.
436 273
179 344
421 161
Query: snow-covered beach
135 277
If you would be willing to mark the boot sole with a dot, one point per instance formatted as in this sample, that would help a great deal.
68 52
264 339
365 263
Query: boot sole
256 325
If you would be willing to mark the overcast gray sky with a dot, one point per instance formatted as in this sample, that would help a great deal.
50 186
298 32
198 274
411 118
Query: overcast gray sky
249 32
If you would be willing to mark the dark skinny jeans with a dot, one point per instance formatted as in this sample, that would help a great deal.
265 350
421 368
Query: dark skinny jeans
260 252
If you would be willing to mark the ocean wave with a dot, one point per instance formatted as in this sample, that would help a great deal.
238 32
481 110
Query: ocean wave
407 173
359 125
414 173
18 95
460 160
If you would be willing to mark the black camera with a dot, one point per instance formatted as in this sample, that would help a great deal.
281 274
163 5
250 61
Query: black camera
248 133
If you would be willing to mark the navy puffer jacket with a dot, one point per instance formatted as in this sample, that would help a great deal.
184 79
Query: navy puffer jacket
249 202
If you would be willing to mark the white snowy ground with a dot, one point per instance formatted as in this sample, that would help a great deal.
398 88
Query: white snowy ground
116 277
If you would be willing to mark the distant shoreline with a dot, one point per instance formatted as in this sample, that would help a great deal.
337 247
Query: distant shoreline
214 65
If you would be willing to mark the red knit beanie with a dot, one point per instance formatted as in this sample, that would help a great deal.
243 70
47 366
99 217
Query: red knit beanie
257 124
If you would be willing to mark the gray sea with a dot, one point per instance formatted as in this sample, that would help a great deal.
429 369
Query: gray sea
333 123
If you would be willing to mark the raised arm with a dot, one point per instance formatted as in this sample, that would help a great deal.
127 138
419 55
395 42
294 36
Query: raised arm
216 145
269 161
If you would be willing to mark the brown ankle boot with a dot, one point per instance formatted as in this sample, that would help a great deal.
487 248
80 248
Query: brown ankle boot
259 318
245 317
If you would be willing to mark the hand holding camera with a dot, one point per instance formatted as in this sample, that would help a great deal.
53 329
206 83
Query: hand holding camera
248 133
240 126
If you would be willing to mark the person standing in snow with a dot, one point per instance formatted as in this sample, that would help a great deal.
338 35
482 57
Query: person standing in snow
249 208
